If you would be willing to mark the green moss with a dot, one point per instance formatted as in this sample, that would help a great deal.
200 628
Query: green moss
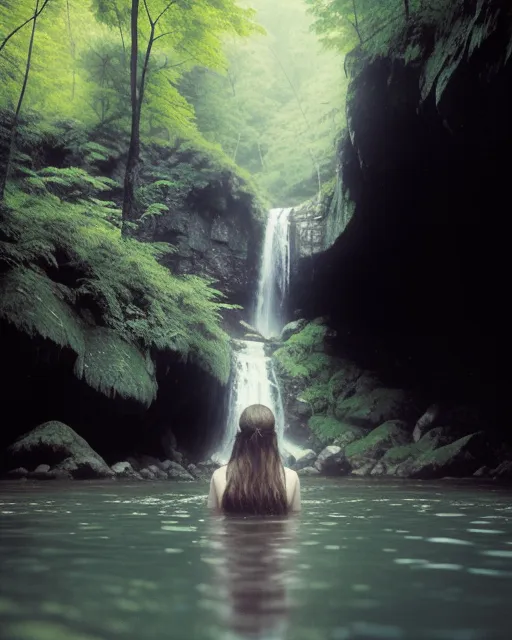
395 455
374 407
388 435
326 427
443 455
38 306
317 396
331 431
301 355
115 367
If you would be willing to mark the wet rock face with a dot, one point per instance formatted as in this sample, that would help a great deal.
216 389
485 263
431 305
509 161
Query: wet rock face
403 278
216 237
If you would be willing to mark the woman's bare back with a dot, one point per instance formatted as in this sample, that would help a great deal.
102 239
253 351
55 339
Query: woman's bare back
219 481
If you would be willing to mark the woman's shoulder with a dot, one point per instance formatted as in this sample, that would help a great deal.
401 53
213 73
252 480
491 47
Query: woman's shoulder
290 474
220 472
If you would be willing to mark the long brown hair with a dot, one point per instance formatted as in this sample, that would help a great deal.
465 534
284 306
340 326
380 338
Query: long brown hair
255 473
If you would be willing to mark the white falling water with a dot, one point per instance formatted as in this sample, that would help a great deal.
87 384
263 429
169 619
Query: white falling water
254 379
253 383
274 274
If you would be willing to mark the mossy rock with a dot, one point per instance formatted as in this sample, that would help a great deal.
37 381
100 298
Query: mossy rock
115 367
56 444
460 458
368 410
393 433
331 431
391 460
291 328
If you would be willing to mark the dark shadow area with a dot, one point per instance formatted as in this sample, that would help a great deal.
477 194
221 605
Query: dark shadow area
416 285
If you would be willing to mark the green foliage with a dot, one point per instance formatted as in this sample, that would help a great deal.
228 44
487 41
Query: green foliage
317 396
38 306
277 109
301 355
71 183
117 282
115 367
439 33
326 428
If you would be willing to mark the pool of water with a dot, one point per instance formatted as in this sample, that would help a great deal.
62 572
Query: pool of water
364 560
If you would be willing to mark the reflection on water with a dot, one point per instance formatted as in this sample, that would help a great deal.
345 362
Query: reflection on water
365 560
252 564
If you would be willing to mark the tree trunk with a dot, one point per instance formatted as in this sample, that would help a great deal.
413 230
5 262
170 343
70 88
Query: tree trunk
356 22
6 161
407 9
19 27
72 46
132 164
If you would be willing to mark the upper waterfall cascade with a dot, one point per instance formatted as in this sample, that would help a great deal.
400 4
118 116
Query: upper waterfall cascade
274 274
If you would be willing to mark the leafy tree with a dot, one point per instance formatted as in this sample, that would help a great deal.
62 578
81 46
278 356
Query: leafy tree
7 151
192 32
278 108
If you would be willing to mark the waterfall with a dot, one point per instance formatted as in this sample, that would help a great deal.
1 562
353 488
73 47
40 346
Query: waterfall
274 274
253 382
253 379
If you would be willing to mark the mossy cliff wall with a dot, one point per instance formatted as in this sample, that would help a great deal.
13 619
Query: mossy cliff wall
412 281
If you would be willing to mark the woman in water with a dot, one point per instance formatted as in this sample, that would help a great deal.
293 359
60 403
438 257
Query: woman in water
255 481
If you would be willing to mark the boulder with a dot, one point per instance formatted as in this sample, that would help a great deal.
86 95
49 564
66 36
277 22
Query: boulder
43 475
396 455
308 471
125 470
134 463
291 328
348 435
57 444
373 407
482 472
42 468
305 459
177 472
502 471
425 422
176 456
332 461
365 469
195 471
149 461
367 451
19 472
436 437
158 472
460 458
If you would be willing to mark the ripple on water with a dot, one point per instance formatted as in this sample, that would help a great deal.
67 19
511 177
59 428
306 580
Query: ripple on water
442 566
497 573
497 553
485 531
450 541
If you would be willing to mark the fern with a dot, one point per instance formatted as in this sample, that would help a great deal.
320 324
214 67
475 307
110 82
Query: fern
302 355
71 183
40 307
119 280
115 367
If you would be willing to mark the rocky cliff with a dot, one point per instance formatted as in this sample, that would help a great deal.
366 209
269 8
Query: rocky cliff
412 281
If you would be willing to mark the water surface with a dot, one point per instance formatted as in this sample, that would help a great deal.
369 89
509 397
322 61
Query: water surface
365 559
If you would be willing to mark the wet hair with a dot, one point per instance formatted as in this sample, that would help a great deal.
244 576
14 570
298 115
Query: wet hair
255 474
